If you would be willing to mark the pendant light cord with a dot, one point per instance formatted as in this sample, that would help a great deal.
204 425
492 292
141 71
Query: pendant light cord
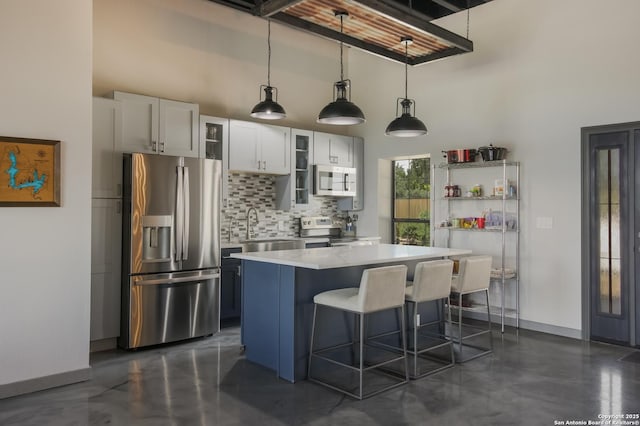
468 7
341 64
406 68
269 54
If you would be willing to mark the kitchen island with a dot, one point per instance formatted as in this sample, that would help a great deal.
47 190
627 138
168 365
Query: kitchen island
278 289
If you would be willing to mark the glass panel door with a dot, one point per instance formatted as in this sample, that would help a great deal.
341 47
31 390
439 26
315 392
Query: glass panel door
608 181
610 257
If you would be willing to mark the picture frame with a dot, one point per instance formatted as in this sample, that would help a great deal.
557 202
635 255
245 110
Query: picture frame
29 172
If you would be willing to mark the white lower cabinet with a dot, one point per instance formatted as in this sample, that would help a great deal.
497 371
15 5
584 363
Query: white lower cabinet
106 239
258 148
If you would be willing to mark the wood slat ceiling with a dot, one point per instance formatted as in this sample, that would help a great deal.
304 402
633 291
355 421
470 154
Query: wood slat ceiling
375 26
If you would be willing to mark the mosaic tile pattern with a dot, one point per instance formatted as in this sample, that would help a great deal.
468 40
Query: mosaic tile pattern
248 190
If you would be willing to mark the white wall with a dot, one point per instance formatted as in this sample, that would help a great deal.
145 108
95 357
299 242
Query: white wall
540 71
213 55
45 86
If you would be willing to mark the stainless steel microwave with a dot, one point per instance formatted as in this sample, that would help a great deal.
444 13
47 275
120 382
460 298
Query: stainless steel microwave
333 180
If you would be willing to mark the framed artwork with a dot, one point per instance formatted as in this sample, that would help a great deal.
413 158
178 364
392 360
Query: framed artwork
29 172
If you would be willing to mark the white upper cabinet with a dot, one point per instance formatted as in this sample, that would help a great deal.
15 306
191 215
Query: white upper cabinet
357 202
152 125
335 150
259 148
107 141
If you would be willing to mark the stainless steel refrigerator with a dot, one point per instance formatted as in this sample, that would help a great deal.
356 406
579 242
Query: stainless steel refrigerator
171 249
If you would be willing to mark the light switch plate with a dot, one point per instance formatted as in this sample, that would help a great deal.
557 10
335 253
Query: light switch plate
544 222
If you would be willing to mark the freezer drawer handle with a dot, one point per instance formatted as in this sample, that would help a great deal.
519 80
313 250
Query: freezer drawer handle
178 280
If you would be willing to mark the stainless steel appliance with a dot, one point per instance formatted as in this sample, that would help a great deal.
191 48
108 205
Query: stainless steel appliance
314 227
333 180
171 249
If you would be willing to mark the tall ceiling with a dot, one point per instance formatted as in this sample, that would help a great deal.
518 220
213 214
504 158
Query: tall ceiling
376 26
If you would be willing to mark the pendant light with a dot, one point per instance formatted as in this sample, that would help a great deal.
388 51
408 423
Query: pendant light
268 109
406 125
341 111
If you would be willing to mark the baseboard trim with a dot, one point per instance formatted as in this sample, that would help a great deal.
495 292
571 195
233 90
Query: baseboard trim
551 329
46 382
103 344
529 325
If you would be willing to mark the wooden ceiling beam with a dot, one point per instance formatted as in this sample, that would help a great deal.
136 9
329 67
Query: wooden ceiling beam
416 20
271 7
335 35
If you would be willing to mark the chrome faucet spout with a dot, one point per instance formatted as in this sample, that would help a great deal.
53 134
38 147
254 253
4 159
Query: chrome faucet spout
249 232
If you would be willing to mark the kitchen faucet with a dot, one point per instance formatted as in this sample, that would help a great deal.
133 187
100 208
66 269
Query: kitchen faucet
252 209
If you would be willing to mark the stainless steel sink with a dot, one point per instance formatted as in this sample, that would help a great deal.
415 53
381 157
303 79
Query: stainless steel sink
272 244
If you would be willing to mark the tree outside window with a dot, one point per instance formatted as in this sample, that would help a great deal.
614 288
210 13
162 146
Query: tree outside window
411 215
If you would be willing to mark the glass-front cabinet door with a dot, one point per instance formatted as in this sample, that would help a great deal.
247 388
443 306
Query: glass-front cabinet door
294 191
302 153
214 144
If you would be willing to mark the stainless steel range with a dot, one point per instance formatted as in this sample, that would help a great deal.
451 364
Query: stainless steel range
319 226
326 227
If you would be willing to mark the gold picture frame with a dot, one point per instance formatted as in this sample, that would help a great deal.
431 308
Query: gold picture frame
29 172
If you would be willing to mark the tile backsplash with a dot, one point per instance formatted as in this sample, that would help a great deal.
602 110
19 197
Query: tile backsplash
248 190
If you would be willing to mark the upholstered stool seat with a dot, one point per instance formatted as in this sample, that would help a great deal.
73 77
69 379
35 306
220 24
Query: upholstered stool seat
380 289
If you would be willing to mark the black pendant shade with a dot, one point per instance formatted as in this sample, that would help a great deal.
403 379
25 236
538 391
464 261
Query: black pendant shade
268 109
341 111
406 125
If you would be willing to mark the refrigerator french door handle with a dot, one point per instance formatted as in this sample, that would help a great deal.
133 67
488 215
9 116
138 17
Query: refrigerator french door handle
179 222
187 211
190 279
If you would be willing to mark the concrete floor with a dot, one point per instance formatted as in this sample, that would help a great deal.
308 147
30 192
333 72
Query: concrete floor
530 379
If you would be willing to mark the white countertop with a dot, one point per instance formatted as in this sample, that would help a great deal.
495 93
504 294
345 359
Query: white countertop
344 256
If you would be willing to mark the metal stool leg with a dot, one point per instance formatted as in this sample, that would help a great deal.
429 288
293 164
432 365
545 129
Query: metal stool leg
361 352
460 323
313 331
486 292
404 344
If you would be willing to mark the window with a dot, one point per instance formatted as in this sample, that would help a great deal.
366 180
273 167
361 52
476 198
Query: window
411 188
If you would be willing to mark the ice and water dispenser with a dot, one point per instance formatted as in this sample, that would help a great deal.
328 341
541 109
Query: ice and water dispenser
156 238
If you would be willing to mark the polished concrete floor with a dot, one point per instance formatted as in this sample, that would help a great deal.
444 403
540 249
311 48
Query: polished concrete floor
530 379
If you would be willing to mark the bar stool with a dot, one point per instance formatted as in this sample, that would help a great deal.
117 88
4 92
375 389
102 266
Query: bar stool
380 289
431 282
474 276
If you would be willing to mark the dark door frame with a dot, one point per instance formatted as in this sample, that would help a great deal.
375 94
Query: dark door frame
633 185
